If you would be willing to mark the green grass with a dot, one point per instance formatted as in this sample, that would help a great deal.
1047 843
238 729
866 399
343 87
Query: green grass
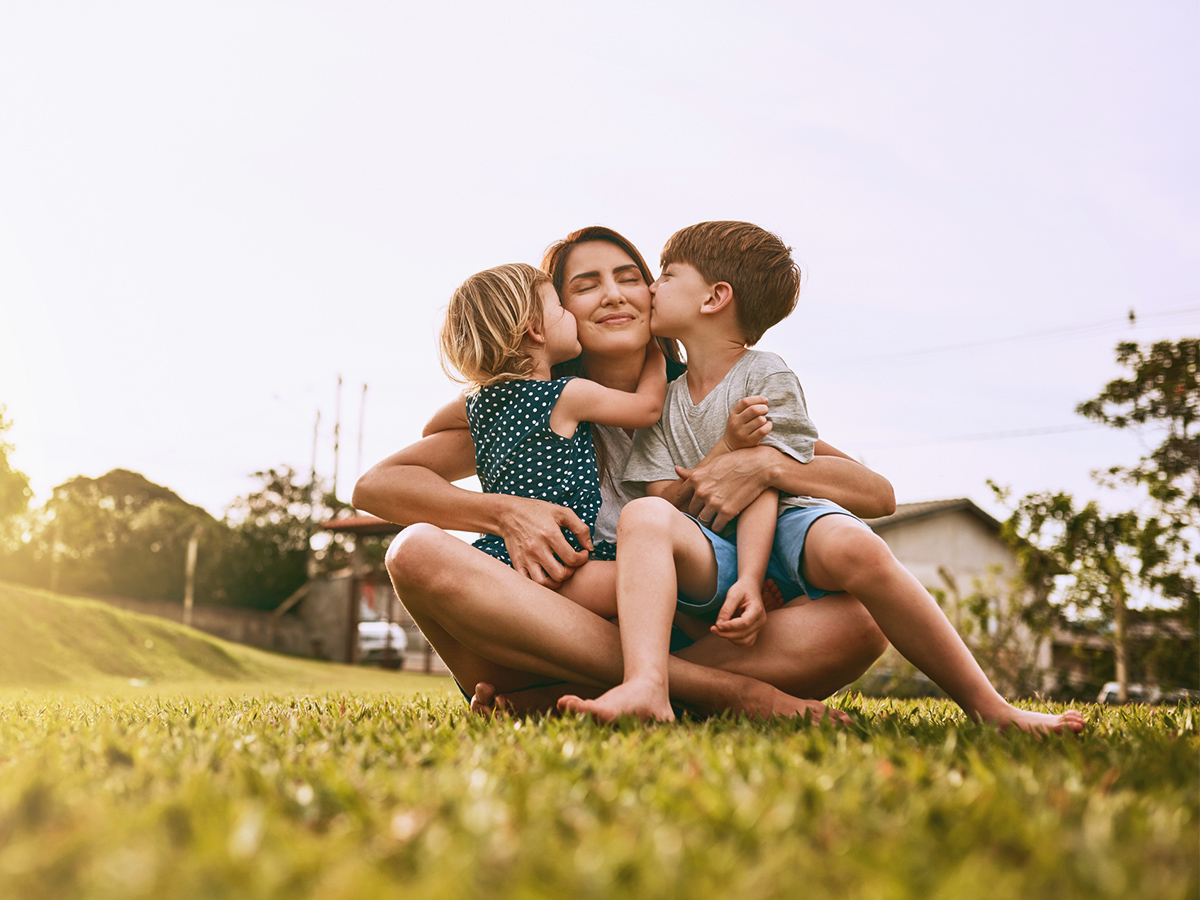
57 645
236 792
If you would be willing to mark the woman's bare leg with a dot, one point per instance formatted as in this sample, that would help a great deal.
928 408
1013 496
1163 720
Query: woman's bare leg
492 625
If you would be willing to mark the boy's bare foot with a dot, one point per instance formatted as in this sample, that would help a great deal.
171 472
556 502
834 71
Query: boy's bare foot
1039 723
633 698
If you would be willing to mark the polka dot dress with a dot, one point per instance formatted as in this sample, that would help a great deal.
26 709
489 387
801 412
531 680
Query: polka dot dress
517 453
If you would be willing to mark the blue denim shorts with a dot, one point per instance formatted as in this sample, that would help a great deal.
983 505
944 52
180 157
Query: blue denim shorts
785 568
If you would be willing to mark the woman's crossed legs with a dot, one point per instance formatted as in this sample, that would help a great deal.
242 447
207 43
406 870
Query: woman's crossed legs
490 624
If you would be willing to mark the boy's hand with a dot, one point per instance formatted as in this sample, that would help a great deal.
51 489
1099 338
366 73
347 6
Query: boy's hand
747 424
772 596
742 615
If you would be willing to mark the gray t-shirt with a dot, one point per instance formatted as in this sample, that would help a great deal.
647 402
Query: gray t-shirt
687 431
614 493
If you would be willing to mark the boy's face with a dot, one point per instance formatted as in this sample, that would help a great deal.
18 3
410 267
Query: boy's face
678 294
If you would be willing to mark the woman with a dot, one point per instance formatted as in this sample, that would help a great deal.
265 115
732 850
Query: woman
508 629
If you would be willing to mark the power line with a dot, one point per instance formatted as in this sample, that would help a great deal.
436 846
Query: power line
1127 321
981 436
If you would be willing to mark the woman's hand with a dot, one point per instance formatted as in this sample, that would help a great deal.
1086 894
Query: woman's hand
538 549
720 488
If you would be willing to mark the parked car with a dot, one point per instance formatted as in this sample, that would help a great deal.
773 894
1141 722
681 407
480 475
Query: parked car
1146 693
373 640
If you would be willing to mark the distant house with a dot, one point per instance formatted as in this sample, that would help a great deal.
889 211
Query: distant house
955 550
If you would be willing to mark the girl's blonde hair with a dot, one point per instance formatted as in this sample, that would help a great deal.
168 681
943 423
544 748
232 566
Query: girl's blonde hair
483 336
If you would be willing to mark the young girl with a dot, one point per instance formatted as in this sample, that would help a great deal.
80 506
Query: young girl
504 330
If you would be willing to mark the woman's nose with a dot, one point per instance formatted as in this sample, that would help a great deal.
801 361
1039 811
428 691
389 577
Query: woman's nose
612 293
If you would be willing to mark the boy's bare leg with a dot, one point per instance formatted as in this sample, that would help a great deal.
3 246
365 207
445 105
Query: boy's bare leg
655 541
658 542
843 554
491 624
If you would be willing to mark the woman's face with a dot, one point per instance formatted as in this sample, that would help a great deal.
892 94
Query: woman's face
605 291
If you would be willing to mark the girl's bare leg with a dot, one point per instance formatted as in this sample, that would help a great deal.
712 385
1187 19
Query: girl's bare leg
490 624
843 554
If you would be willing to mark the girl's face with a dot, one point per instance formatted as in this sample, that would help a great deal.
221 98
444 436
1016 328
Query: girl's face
558 326
610 300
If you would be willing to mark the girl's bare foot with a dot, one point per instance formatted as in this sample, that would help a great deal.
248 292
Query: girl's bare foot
633 698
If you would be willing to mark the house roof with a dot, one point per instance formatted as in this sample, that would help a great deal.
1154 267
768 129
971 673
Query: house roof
362 524
911 512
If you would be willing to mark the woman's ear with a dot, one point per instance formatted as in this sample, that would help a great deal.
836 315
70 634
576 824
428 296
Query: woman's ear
718 299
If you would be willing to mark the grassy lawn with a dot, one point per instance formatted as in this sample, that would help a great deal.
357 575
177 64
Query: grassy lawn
330 796
228 773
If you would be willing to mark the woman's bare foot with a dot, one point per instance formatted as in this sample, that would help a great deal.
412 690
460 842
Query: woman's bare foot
632 698
542 698
1038 723
486 702
772 703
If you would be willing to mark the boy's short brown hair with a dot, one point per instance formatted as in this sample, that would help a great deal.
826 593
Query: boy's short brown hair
755 262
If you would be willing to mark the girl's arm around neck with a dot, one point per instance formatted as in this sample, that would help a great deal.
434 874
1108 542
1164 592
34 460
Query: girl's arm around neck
587 401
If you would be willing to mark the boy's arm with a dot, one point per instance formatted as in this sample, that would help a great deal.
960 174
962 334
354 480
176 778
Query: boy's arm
586 401
722 487
742 614
746 425
414 486
452 415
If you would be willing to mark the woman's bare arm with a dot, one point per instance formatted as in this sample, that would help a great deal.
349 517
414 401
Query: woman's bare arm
414 485
724 486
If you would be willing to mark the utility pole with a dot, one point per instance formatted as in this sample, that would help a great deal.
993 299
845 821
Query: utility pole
337 434
312 499
189 589
362 415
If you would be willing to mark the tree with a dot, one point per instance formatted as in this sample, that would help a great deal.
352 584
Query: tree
14 484
272 532
1092 562
1160 400
117 535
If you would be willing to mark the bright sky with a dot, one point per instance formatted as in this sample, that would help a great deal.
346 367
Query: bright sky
208 212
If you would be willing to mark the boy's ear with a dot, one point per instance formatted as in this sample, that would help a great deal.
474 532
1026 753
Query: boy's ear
719 298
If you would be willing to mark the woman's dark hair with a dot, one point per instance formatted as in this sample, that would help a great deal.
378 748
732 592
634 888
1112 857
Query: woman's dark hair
554 263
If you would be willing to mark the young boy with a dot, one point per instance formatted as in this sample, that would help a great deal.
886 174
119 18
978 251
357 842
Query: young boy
723 284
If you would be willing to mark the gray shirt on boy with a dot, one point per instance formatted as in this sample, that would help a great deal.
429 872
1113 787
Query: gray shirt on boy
687 431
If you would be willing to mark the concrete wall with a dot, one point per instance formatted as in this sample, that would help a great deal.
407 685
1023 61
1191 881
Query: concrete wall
285 634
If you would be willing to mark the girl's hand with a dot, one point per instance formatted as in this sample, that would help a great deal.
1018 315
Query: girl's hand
533 536
742 615
747 424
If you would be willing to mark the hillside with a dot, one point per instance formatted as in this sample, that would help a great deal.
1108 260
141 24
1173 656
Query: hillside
54 642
